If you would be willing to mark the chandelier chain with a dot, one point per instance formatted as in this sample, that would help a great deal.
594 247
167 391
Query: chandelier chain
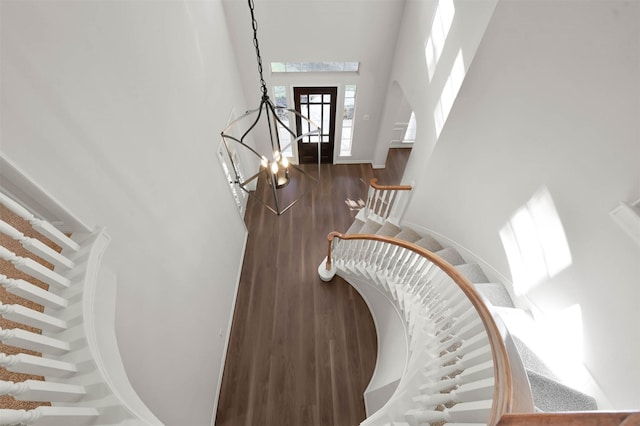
254 24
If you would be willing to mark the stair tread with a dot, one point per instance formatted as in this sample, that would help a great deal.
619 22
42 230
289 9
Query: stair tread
355 227
552 396
451 255
495 293
370 227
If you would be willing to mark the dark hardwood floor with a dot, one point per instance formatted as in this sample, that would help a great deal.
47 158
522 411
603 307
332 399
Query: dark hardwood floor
301 351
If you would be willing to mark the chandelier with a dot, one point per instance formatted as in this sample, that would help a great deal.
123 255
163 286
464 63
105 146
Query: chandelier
277 184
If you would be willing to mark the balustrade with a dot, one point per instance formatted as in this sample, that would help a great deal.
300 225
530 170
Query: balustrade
77 384
457 368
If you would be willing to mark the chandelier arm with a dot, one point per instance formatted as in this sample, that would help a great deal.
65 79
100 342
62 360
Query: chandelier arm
271 109
224 137
255 122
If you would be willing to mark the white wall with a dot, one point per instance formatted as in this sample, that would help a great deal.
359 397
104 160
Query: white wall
116 108
551 100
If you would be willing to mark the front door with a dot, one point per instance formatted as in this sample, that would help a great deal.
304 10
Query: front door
319 105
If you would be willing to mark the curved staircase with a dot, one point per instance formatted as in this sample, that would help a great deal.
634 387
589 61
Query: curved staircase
64 342
446 354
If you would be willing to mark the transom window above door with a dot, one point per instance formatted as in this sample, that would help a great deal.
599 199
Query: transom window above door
278 67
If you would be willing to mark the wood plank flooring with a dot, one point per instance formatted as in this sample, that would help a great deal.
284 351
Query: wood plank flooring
301 351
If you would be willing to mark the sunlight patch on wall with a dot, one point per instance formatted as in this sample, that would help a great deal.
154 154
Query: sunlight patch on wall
535 243
556 338
442 20
449 93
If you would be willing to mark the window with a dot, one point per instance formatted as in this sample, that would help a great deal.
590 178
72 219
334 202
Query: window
347 120
280 97
410 133
277 67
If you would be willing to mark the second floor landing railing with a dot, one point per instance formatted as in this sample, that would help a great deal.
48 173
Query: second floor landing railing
384 201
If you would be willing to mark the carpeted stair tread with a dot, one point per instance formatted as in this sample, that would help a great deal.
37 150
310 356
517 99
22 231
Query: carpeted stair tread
388 229
495 293
531 361
408 234
451 255
370 227
551 396
473 272
355 227
429 243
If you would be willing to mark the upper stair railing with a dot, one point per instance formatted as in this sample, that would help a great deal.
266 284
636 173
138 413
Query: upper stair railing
385 202
84 379
462 365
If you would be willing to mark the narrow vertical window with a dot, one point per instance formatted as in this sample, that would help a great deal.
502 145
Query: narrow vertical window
280 95
347 120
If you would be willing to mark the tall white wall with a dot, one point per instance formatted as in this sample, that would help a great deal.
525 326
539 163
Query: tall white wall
322 30
552 99
115 108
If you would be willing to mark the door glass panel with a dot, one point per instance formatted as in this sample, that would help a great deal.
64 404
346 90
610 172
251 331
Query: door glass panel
304 99
325 118
326 98
315 98
305 125
315 113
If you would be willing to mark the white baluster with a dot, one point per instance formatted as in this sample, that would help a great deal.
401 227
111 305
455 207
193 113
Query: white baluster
32 341
474 391
18 417
33 268
35 246
30 364
33 318
50 416
36 390
33 293
43 227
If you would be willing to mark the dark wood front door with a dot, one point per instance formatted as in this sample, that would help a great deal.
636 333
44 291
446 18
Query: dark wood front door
319 105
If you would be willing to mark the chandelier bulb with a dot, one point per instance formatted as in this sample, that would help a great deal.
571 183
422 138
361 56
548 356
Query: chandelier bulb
274 168
284 162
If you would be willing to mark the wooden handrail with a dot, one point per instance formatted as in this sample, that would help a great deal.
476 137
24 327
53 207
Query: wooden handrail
511 393
618 418
374 183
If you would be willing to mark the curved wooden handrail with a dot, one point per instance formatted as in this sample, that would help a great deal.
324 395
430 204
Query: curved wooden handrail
509 395
374 183
596 418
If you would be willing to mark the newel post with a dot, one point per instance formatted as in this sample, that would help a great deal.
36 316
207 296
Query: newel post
327 270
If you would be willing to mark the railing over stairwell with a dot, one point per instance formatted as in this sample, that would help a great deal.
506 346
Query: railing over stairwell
84 380
384 201
462 366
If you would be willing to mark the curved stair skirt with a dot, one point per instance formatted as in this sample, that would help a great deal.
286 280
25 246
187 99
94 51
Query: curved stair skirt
99 307
393 344
497 294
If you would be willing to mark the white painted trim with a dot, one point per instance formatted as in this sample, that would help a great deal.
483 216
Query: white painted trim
627 216
98 305
22 188
388 323
228 335
401 145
